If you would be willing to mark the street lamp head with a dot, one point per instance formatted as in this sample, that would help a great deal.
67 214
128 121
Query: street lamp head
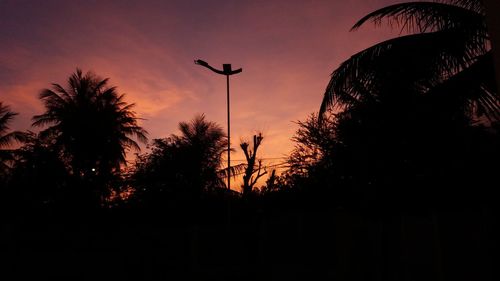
201 62
205 64
226 68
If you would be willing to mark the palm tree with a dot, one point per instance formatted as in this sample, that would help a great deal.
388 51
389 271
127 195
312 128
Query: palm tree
408 99
6 137
203 143
186 164
407 105
445 54
91 124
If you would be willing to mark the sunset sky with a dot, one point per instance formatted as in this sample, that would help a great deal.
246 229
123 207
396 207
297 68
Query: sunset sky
287 49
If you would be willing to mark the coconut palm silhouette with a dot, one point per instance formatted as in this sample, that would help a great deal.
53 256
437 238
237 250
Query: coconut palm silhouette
91 124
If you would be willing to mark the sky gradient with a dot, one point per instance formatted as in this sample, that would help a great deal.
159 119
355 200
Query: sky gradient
287 49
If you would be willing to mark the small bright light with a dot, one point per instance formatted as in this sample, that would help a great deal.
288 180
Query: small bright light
93 169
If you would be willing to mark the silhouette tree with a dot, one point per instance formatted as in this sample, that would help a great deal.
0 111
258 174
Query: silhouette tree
410 111
7 138
318 166
203 143
314 144
92 125
253 170
446 55
186 164
39 176
409 99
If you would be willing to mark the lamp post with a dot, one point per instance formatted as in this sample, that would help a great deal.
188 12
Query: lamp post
226 70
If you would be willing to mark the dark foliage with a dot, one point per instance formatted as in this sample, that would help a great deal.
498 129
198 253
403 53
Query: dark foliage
40 179
7 138
182 166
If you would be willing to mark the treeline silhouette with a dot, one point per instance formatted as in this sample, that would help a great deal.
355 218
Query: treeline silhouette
393 179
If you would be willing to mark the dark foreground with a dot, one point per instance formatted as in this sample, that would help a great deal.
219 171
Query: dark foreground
278 241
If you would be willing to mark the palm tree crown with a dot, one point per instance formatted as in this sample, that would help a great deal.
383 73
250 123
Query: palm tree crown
446 52
6 116
203 144
6 137
185 163
91 123
205 137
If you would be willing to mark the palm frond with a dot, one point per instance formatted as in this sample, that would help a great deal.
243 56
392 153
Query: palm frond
141 135
44 119
412 61
52 100
11 137
6 116
127 108
131 144
110 95
473 5
62 92
428 17
233 171
473 90
102 84
50 133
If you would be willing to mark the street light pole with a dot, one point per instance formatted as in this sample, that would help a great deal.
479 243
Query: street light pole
226 70
228 137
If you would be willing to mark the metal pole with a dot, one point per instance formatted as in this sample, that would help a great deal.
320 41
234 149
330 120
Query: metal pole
228 139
